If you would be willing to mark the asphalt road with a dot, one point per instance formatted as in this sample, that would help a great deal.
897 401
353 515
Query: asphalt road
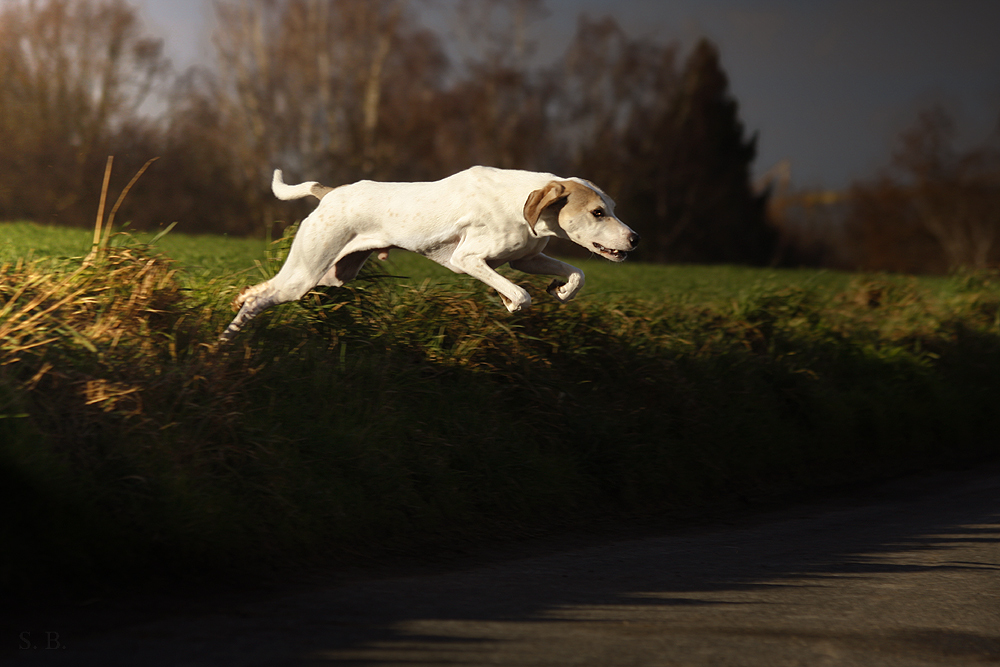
908 574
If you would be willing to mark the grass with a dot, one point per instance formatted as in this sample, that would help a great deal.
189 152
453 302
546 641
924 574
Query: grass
205 257
399 414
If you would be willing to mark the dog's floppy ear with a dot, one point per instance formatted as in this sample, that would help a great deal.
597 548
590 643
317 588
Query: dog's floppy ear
540 199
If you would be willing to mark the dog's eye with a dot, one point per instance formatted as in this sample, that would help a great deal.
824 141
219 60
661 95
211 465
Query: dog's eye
598 212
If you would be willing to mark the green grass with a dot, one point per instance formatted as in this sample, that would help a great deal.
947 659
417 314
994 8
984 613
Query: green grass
214 256
399 414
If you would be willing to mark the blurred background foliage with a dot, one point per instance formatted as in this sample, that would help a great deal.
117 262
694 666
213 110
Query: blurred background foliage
340 90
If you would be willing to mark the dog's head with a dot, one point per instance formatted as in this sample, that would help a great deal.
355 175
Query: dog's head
577 210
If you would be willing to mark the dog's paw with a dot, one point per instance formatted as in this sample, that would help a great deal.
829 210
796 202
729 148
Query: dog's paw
554 289
562 291
519 302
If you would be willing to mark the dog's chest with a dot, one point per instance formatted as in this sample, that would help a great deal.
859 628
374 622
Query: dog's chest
523 246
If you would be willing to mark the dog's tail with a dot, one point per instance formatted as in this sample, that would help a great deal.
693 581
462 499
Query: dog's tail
283 191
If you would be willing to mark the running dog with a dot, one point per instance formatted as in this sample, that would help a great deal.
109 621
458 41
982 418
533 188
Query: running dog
471 222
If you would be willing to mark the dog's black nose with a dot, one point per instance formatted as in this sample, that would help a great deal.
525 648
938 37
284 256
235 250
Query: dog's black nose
634 239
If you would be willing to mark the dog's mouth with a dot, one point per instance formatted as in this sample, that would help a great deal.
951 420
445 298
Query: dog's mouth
608 253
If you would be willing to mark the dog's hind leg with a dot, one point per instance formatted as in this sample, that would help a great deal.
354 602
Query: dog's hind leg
290 285
250 302
314 259
284 287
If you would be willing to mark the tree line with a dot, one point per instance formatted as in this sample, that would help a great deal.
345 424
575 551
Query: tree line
340 90
934 208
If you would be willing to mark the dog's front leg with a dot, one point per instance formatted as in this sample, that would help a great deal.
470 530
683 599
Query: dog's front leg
545 265
514 297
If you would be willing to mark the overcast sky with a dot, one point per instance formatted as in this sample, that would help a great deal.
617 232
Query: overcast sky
827 85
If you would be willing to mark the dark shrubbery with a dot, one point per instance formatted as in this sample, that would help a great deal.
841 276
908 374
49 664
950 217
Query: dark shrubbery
383 417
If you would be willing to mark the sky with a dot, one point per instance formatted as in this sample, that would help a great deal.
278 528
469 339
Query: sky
827 85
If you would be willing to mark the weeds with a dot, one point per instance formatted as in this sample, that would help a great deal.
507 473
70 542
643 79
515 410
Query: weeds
388 415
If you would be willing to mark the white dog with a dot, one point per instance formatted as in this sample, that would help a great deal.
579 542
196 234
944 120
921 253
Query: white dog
471 222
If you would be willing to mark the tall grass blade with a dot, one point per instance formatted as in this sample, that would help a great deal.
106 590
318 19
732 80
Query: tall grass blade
121 198
163 233
100 211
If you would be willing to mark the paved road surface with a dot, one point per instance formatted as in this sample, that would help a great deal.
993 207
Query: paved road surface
908 576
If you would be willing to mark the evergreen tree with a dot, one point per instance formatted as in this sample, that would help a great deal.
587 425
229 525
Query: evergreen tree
691 199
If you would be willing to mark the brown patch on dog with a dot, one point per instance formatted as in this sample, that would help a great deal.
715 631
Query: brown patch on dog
580 199
574 198
541 199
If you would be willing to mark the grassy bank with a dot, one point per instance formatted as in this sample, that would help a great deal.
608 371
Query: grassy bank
399 414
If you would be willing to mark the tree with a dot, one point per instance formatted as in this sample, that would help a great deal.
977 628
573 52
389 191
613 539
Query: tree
955 196
495 112
693 184
308 85
669 145
610 88
73 75
936 208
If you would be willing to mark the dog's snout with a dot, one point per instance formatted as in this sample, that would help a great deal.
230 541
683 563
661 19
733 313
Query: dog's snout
634 239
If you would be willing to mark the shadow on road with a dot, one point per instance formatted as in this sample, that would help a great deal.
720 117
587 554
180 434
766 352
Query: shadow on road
909 576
